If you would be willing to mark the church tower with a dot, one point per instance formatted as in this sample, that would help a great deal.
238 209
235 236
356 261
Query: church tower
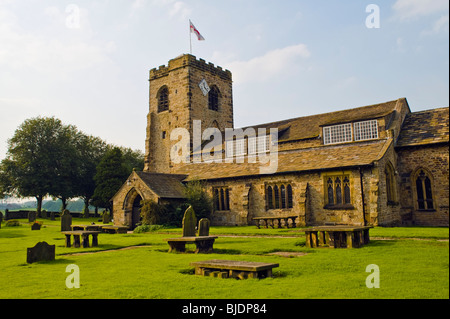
186 90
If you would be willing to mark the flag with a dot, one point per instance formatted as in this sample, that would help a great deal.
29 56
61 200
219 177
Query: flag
194 30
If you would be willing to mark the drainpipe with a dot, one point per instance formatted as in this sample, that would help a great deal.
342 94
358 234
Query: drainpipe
362 196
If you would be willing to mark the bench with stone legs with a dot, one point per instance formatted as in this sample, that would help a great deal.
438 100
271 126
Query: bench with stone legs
84 234
233 269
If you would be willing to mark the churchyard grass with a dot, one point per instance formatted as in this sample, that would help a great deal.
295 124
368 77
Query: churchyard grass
413 263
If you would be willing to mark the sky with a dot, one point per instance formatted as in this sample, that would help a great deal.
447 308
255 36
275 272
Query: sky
87 62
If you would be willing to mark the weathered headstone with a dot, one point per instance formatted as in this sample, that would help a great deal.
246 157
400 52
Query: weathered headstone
189 222
203 227
105 217
36 226
1 219
31 216
42 251
52 215
66 220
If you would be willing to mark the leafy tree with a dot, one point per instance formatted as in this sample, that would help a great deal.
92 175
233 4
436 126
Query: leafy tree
111 174
133 159
37 161
90 150
67 163
198 198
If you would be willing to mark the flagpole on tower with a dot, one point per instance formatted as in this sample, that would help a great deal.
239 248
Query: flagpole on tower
193 29
190 37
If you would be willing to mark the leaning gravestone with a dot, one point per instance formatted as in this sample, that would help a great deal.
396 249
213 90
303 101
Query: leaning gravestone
189 222
42 251
203 227
106 218
66 220
31 216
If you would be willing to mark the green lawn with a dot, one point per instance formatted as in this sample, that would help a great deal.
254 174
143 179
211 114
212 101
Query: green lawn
413 263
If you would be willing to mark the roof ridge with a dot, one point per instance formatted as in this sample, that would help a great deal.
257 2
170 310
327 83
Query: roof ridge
322 114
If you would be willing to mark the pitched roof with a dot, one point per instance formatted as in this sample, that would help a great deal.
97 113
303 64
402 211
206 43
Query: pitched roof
164 185
425 127
309 126
317 158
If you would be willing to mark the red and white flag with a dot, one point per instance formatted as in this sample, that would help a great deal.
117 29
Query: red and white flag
194 30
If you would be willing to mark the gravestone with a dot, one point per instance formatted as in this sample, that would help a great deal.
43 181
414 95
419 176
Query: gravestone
203 227
66 220
52 215
31 216
105 217
189 222
1 219
42 251
36 226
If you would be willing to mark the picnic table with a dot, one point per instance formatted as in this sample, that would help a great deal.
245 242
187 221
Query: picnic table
84 235
233 269
204 244
266 220
337 236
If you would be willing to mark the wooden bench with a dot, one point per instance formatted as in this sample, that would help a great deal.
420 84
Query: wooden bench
204 244
272 219
114 229
337 236
233 269
84 235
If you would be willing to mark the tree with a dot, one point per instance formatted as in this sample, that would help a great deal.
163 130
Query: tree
111 174
198 198
36 162
67 163
90 150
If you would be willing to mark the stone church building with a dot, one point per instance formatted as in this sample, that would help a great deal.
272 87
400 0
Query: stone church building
373 165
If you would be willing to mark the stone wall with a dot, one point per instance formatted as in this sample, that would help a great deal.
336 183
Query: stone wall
248 199
434 159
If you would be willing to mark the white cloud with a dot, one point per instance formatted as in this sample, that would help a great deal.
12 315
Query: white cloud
273 63
408 9
177 9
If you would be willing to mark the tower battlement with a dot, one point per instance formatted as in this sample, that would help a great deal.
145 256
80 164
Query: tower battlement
189 60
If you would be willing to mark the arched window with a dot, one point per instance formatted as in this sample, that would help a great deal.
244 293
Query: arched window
276 196
269 197
347 199
283 196
338 188
290 202
424 192
330 190
213 98
163 99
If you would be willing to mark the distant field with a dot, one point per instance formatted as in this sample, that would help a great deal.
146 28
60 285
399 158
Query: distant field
413 263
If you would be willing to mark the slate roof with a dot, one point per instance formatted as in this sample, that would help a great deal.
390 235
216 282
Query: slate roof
316 158
310 126
424 128
164 185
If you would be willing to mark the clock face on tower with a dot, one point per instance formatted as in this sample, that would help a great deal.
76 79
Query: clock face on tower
204 87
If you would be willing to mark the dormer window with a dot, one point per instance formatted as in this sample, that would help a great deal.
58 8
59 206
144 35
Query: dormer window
366 130
349 132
